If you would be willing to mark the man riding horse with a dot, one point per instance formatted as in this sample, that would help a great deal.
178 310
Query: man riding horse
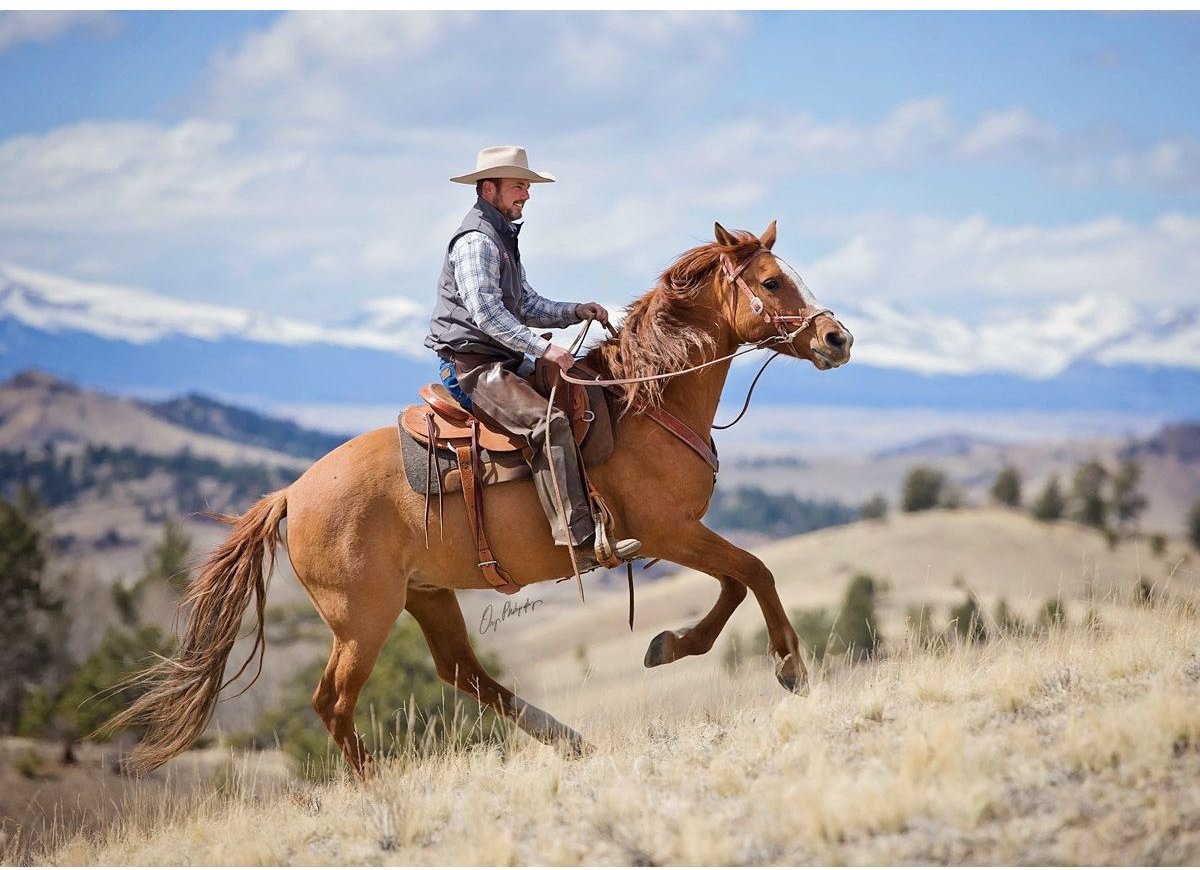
480 330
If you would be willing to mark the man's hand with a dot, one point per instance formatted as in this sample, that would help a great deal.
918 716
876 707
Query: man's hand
560 357
591 311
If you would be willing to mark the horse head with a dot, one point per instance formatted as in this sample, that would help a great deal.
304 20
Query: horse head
770 303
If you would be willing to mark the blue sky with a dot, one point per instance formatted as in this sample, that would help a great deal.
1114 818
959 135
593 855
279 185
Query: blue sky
968 163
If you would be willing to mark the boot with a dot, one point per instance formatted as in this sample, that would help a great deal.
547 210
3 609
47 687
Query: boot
588 558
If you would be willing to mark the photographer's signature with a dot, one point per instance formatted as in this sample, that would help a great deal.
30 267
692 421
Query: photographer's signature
491 620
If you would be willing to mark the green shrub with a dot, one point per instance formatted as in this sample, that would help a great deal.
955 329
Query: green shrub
923 489
874 508
968 620
1050 504
1008 620
1053 614
1006 489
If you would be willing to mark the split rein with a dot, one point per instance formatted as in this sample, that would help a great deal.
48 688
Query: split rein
734 275
805 318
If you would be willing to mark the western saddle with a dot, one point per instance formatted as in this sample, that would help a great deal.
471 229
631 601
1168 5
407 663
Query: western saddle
442 424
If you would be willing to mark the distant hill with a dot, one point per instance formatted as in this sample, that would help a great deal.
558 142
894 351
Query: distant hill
203 414
1170 462
37 408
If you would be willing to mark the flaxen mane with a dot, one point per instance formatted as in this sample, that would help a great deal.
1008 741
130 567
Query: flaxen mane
663 328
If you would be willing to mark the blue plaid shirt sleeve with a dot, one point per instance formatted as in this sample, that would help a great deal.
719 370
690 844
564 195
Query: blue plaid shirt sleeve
476 263
542 312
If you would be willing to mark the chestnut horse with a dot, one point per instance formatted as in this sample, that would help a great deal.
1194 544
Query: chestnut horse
356 533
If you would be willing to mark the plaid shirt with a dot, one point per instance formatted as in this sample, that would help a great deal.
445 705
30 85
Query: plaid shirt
476 263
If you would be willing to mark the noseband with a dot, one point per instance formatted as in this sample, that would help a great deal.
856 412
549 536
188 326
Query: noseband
780 321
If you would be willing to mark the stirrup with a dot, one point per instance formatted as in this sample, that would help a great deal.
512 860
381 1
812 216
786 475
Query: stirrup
609 554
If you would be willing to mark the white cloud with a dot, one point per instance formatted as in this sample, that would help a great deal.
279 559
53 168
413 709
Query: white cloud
924 133
20 27
362 77
1013 132
113 176
976 263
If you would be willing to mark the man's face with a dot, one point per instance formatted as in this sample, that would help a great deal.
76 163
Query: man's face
510 198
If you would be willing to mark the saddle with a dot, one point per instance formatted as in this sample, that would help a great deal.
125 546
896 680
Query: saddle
464 452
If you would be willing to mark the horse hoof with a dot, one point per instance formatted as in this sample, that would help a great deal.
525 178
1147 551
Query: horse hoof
577 747
656 653
792 683
584 749
797 684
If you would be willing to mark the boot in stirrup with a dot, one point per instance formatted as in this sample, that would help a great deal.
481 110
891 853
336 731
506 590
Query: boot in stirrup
607 549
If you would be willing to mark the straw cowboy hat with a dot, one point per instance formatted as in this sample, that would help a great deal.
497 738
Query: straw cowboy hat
503 161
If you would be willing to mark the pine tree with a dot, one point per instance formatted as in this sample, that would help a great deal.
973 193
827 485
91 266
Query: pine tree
28 610
1127 502
856 628
1050 504
1087 495
1007 488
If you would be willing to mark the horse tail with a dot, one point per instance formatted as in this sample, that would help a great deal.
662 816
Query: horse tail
181 693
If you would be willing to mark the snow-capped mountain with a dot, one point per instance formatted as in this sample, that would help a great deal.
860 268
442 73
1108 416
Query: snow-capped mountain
1090 352
1033 343
52 303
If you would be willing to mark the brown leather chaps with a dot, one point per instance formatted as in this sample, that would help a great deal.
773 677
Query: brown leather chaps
504 399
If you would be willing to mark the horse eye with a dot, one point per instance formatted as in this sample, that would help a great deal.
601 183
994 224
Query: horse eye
771 284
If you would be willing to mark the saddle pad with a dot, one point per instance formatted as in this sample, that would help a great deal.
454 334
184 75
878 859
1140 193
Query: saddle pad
497 467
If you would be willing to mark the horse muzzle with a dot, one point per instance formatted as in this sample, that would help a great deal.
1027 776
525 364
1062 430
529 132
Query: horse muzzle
830 346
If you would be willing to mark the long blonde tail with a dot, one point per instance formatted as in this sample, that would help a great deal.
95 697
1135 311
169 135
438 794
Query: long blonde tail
182 691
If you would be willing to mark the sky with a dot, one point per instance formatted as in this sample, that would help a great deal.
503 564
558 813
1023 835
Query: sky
959 164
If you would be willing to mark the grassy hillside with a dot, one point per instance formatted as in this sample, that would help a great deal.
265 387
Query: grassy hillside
1082 746
932 557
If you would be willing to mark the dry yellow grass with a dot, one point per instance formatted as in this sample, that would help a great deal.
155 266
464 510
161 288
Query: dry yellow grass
1082 747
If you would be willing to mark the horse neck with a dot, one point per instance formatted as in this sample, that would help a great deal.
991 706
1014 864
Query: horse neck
694 397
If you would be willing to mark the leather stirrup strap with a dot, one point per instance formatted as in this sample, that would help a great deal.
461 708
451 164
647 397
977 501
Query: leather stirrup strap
472 484
430 455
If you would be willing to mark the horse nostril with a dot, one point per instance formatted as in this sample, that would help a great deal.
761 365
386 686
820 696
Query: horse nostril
835 339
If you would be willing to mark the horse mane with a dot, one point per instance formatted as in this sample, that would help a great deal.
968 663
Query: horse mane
665 325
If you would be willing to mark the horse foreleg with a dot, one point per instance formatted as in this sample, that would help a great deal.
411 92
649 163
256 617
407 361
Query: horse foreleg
441 620
704 550
697 639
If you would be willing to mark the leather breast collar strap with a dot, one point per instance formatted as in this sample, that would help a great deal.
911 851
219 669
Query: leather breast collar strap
706 451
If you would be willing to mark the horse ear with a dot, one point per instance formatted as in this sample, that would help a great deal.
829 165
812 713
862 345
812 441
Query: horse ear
724 237
768 237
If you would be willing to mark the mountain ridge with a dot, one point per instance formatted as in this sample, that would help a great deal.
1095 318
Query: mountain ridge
1083 355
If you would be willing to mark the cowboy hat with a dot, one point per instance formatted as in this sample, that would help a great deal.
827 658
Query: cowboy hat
503 161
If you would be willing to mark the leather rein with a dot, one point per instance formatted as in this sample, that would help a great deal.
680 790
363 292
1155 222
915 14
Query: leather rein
781 321
704 448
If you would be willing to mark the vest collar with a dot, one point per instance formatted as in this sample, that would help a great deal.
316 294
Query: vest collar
492 215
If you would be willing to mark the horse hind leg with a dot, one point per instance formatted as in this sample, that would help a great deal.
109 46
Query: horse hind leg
336 696
438 614
669 646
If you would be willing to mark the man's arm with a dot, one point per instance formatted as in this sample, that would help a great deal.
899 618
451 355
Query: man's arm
476 263
545 313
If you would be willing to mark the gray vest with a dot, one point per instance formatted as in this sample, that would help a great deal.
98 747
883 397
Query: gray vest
451 329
